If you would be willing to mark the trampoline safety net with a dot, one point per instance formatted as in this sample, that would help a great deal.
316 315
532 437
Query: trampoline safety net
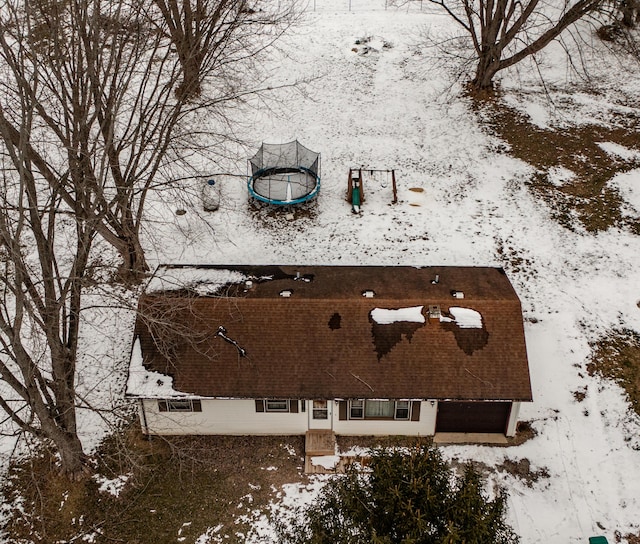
284 173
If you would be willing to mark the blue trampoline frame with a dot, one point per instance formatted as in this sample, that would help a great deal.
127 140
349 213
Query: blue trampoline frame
309 196
294 163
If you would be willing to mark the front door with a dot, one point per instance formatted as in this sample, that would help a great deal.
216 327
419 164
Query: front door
320 414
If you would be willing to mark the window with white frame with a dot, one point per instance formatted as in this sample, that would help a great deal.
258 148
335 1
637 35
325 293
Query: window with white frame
402 409
380 409
276 405
180 405
356 409
320 410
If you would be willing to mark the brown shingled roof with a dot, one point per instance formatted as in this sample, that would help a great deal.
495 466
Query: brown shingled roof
321 342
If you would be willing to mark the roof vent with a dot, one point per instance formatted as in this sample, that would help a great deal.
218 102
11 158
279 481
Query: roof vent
286 293
369 293
436 280
307 278
434 313
248 285
457 294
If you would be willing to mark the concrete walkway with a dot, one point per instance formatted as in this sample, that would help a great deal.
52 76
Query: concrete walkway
469 438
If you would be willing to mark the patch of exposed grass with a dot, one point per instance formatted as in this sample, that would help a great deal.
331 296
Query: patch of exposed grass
586 199
580 394
522 470
631 539
514 259
273 217
177 489
616 356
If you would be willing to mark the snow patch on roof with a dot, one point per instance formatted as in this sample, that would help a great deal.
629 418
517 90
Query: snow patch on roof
148 383
466 318
204 281
412 314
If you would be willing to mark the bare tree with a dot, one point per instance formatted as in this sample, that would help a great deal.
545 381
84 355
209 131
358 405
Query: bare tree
205 34
504 32
45 252
629 11
113 87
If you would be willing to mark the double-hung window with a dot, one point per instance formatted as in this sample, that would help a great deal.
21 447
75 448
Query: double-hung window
356 409
402 409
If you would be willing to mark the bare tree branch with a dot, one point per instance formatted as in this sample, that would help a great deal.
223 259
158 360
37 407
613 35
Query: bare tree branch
504 32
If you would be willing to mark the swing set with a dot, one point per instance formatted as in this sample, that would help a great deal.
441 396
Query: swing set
355 186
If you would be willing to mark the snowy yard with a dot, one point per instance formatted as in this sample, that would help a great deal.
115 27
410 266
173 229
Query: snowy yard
392 107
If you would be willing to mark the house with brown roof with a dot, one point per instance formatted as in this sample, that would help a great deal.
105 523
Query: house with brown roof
358 350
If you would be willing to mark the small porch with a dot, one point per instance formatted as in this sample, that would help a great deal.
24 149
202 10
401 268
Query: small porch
320 443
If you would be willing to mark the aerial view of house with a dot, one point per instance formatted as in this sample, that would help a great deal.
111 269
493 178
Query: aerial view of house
359 350
257 254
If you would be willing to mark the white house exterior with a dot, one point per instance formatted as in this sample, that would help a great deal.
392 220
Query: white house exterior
239 417
245 350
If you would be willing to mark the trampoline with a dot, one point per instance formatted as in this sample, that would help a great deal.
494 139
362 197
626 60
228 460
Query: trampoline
284 174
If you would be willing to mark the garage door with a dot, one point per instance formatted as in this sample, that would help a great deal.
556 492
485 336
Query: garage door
473 417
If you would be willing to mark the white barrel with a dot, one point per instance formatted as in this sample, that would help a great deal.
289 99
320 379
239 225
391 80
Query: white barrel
211 196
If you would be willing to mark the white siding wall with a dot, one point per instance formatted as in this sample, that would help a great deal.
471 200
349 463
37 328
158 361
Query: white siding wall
426 426
513 418
228 416
239 417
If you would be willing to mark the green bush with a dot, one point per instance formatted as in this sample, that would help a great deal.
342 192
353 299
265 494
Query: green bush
406 497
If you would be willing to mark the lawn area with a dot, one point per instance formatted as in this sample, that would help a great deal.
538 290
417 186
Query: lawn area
149 490
162 490
616 356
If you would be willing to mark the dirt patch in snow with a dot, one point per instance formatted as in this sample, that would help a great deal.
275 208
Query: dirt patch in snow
616 356
521 469
585 198
178 488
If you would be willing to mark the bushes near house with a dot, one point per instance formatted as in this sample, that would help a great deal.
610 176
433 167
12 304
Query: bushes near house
406 496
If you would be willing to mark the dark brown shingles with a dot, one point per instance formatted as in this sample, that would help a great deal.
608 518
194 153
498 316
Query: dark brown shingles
293 351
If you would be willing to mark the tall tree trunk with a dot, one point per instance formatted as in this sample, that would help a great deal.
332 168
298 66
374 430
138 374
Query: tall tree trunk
487 67
72 457
504 32
134 263
191 85
134 266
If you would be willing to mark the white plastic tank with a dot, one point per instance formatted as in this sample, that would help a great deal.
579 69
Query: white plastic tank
211 196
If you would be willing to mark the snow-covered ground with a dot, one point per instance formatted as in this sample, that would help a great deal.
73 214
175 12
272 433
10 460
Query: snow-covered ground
390 107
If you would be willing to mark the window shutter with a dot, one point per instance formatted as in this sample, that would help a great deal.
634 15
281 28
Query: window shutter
162 406
342 410
196 405
293 406
259 405
415 410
